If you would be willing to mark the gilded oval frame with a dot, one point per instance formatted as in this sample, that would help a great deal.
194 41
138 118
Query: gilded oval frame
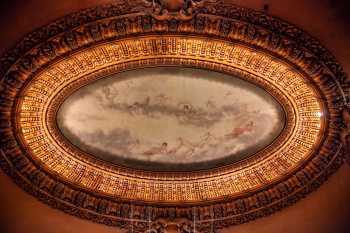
262 169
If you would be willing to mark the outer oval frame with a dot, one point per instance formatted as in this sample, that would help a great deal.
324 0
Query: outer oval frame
266 167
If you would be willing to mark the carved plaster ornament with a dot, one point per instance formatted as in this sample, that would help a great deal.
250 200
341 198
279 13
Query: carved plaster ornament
175 9
178 225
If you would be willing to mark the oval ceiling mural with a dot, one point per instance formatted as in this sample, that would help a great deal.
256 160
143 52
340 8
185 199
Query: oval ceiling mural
194 114
171 118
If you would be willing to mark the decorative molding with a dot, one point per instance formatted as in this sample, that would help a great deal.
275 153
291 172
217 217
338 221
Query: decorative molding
182 10
43 95
130 19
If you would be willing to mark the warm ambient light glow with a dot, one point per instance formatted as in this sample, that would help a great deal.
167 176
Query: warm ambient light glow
49 89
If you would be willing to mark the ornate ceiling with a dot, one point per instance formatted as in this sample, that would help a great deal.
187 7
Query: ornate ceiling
194 180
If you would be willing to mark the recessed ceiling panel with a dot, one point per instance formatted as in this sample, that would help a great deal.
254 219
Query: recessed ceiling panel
171 118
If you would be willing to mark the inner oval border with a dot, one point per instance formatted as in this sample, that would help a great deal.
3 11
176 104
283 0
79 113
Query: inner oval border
56 104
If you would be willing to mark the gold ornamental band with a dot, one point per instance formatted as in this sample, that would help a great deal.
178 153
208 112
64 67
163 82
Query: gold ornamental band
40 99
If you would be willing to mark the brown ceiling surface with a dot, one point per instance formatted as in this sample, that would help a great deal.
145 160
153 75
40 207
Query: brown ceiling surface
326 210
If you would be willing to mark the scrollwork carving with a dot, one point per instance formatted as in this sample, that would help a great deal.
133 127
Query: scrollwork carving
175 9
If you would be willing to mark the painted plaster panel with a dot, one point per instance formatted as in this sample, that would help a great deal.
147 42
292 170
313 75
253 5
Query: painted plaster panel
171 118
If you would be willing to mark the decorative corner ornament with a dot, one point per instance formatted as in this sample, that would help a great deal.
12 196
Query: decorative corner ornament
182 10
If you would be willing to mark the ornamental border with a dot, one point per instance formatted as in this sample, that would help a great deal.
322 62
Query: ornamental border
189 182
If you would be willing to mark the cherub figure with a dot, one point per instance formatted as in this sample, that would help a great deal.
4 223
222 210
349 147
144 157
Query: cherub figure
206 139
188 147
139 107
238 131
162 149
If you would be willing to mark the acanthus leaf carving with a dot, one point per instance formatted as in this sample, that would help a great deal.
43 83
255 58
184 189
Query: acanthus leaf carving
182 10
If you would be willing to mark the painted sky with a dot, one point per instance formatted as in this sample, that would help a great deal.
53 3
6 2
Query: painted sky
170 116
